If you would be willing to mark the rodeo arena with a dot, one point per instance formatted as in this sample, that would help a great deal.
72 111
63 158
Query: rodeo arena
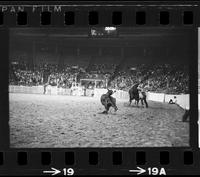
68 89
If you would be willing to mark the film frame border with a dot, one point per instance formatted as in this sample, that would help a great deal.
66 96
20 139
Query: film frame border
125 157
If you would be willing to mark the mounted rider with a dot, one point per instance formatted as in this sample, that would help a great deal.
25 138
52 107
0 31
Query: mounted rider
138 92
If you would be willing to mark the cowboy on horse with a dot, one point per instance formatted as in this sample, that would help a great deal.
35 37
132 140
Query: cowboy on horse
138 94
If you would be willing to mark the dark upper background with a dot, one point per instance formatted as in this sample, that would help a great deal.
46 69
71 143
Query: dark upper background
74 46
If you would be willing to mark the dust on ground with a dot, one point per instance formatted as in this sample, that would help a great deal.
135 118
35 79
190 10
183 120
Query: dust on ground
55 121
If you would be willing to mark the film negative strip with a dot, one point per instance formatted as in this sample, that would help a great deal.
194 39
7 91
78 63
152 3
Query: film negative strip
99 88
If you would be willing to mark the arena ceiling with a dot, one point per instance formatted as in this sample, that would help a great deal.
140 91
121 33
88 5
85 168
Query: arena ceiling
161 43
81 33
126 37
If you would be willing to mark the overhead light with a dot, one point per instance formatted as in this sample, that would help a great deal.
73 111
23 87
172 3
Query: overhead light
110 28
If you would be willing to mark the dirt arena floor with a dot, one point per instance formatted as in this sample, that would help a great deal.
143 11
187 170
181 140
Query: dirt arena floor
49 121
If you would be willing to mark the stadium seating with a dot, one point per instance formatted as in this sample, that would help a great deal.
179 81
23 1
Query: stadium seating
159 78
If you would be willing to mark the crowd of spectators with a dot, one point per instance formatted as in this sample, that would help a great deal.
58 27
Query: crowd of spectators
158 77
101 68
163 78
22 74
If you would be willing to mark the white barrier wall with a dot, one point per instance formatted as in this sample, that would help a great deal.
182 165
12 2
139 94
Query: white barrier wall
119 94
89 92
25 89
182 100
168 97
51 90
61 91
99 92
159 97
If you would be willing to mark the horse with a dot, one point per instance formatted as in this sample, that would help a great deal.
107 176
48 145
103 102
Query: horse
137 94
108 101
134 94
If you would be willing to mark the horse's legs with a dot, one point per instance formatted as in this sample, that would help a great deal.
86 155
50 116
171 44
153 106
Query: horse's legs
137 98
137 102
142 102
116 108
107 107
113 103
130 101
105 111
145 101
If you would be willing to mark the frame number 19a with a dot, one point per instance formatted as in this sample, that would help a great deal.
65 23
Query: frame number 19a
156 171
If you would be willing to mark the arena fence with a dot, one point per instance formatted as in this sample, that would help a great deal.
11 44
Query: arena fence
26 89
181 100
119 94
159 97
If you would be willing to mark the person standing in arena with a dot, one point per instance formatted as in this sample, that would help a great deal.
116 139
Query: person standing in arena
46 84
46 77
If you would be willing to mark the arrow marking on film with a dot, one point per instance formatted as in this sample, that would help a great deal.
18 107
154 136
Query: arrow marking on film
138 171
54 171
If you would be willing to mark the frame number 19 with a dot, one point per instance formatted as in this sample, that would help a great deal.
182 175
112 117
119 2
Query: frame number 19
68 171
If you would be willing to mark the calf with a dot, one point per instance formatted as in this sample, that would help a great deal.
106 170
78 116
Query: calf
108 101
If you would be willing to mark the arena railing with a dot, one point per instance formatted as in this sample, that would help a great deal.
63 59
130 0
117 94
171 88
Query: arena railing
181 99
